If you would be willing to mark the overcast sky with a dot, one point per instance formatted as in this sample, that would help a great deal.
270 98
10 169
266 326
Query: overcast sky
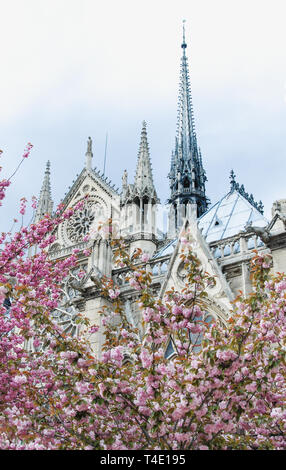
77 68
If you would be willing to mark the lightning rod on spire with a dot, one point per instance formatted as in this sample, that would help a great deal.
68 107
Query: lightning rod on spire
184 45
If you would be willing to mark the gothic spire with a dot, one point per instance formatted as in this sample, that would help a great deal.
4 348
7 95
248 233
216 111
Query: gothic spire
187 175
139 201
186 135
144 178
45 203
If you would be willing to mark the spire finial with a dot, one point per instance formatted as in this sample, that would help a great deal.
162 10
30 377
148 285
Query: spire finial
184 45
232 179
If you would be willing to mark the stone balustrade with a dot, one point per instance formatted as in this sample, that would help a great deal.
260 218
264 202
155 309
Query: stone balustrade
157 267
236 246
62 252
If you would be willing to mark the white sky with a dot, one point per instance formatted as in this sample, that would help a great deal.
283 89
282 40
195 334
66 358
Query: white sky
74 68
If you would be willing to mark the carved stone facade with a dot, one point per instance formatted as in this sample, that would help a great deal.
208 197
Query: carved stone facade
224 234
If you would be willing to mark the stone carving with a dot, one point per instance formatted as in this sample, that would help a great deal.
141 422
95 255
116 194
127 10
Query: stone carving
66 314
89 145
81 222
282 217
262 232
124 179
234 185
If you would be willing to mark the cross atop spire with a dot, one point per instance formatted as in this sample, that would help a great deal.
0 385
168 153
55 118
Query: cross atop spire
45 203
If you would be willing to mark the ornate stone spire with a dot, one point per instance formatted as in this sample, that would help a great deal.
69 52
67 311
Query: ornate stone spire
45 203
88 154
143 181
186 135
187 175
139 202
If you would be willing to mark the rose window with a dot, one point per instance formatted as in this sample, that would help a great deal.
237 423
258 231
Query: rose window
68 319
79 224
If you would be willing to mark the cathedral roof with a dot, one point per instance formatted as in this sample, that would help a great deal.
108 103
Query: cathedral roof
229 216
224 219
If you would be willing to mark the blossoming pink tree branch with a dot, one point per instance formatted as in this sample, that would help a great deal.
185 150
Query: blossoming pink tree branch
230 394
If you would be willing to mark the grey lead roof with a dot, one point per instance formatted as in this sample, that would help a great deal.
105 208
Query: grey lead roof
167 249
228 217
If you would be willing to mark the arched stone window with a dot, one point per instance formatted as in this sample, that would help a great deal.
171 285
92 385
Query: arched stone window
170 350
186 183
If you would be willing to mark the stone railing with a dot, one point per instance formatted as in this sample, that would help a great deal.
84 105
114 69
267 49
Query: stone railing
236 247
158 268
134 233
198 192
67 250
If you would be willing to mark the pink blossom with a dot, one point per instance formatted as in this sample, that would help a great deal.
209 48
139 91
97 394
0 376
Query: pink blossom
223 405
114 293
82 387
145 257
177 310
20 379
116 355
27 150
3 292
93 329
146 358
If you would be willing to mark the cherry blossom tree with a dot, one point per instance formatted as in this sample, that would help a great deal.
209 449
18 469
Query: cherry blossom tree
227 394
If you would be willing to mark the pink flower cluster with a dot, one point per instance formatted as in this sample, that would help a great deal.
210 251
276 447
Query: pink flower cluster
27 150
113 293
151 388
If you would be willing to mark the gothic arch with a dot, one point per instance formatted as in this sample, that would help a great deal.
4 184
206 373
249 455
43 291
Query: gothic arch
186 183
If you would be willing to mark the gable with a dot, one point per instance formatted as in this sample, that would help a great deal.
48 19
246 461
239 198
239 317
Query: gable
100 202
220 295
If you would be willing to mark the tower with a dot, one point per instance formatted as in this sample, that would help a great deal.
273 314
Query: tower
187 175
139 200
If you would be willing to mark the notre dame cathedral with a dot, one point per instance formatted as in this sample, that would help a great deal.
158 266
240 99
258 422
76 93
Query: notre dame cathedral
224 233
